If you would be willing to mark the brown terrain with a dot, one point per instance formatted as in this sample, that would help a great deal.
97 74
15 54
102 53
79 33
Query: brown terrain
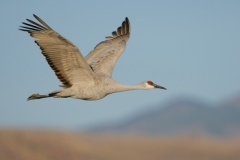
56 145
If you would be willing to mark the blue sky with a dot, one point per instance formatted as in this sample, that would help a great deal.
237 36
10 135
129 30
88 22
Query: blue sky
190 47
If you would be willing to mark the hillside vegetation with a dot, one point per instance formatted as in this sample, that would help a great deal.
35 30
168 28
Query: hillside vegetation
53 145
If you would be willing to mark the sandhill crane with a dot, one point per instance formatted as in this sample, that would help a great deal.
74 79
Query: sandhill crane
87 78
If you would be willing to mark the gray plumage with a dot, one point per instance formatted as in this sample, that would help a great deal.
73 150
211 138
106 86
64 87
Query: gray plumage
87 78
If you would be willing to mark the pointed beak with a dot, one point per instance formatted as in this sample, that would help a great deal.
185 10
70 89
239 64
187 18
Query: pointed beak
160 87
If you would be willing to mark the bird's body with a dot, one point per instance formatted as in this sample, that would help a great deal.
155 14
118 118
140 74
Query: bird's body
87 78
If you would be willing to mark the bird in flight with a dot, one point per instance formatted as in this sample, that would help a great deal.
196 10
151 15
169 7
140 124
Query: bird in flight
86 78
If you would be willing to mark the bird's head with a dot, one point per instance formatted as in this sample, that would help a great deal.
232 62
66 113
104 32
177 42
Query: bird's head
150 85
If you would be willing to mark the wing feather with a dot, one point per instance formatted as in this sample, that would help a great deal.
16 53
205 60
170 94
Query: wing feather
105 55
63 56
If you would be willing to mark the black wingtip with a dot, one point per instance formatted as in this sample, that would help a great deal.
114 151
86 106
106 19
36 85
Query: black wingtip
25 30
35 16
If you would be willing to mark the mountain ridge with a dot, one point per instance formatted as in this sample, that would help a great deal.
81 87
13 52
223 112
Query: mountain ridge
181 116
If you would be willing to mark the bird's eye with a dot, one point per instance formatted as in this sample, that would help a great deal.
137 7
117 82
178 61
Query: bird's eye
150 83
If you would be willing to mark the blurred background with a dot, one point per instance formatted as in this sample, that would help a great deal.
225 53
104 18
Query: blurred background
190 47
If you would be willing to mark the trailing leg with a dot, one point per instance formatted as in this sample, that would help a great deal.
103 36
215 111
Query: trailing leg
39 96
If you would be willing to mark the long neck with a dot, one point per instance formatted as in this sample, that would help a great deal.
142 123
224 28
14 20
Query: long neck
118 87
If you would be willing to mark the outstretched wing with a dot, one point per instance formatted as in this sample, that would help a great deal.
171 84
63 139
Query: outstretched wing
105 55
63 56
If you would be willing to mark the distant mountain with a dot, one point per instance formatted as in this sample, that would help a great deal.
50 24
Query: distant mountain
182 116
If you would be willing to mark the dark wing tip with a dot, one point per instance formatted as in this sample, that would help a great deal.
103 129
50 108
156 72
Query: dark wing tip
128 25
25 30
127 21
124 29
34 26
35 16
